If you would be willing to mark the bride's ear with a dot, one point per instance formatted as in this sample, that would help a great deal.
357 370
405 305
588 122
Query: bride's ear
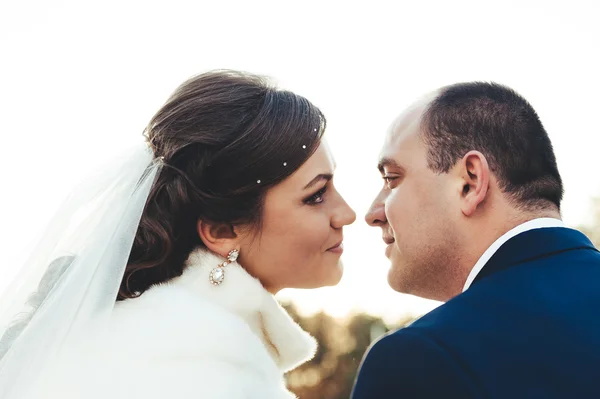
220 238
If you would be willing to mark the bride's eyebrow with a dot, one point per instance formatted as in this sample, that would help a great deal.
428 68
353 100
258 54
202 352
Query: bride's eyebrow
318 178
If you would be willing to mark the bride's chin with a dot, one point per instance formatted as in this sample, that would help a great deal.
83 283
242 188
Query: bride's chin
334 275
330 276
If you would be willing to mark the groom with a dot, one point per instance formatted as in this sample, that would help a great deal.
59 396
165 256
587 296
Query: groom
470 210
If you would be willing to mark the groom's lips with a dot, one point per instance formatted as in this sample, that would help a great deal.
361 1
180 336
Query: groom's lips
388 240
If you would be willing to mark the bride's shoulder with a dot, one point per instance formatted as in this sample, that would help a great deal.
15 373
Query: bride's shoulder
170 319
163 344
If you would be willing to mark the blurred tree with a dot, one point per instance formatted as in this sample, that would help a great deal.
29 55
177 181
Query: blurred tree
342 344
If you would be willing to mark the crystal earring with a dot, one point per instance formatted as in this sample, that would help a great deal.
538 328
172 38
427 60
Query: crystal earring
217 275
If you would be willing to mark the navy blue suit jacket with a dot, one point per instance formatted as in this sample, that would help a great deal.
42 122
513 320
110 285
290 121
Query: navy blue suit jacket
528 327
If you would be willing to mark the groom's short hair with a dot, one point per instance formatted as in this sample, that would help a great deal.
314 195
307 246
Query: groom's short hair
496 121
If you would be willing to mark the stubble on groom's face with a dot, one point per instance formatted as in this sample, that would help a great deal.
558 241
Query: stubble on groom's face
414 212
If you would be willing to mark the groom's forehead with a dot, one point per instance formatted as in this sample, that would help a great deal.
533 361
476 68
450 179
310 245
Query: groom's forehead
398 150
403 131
410 117
402 144
403 136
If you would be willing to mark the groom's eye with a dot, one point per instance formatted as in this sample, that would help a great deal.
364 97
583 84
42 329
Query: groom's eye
389 179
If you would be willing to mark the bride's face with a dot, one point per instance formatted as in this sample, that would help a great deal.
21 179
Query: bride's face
299 242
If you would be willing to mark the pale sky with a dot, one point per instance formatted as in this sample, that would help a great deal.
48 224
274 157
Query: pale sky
79 80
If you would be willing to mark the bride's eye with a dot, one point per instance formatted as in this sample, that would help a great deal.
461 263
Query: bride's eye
317 197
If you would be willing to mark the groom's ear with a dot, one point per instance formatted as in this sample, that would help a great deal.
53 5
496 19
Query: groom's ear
220 238
475 173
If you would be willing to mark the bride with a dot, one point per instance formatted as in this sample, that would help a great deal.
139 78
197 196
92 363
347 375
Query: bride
156 279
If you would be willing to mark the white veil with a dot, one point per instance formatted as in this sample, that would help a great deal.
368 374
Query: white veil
71 279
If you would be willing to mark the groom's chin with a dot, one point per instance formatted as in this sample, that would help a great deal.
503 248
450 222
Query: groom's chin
392 280
397 279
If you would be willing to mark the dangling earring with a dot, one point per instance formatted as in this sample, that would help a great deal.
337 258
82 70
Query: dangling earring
217 275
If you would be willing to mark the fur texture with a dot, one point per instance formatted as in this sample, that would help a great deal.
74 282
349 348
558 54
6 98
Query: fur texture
187 339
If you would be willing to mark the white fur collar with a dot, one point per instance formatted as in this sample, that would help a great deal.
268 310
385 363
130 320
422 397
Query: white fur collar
244 296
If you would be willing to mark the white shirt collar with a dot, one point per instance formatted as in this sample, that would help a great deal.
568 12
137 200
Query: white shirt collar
530 225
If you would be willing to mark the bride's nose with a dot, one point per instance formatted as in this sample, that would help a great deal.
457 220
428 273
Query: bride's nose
343 216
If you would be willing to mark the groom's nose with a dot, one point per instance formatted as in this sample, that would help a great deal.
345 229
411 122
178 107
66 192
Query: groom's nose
376 214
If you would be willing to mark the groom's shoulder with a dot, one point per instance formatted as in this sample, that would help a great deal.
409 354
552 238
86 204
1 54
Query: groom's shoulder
404 363
448 312
404 344
420 340
439 324
404 340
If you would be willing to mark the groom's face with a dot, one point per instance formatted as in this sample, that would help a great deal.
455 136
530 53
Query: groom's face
413 209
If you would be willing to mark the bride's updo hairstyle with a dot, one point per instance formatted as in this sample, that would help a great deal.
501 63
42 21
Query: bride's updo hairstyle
225 138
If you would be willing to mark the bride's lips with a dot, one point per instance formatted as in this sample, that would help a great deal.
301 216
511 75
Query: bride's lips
337 248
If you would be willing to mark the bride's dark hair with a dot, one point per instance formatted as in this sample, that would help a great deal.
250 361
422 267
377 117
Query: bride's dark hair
225 137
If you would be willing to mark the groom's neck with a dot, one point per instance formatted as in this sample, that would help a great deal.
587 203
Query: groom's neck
483 232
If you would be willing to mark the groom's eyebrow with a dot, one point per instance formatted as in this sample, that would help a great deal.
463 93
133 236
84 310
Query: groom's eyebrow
387 162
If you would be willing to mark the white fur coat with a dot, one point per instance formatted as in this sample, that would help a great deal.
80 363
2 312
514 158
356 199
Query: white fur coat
188 339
